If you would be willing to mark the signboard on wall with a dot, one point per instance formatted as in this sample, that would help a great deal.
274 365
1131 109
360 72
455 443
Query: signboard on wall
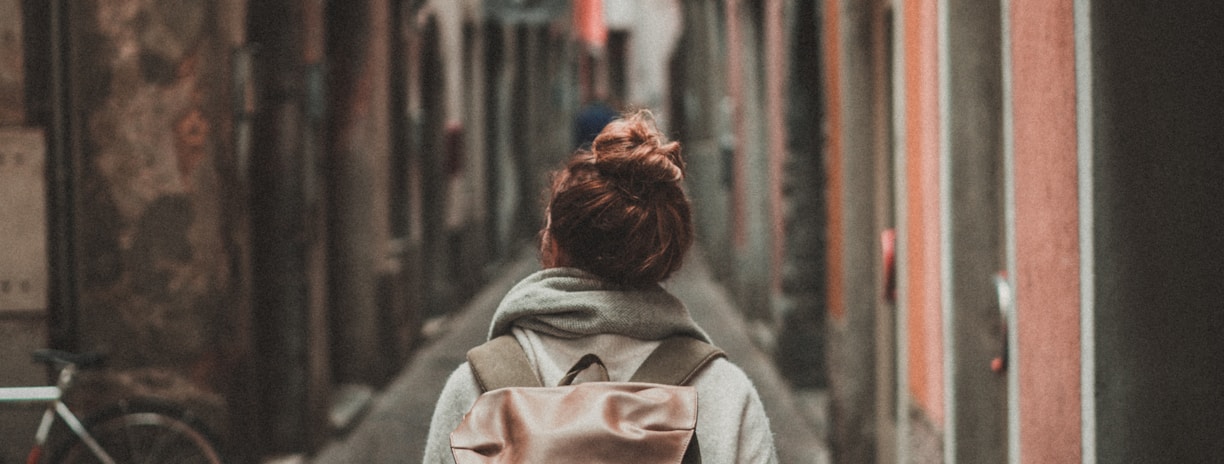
23 220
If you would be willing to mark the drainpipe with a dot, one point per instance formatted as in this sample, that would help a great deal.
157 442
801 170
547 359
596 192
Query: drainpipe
62 291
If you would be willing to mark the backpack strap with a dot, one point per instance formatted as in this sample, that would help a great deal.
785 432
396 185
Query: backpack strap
501 362
676 361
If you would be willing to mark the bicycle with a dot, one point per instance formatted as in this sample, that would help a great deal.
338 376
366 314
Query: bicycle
130 431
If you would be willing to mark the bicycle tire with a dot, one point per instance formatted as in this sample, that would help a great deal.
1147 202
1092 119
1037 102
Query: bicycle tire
142 432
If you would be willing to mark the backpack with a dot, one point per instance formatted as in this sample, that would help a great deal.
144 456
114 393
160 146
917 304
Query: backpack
650 419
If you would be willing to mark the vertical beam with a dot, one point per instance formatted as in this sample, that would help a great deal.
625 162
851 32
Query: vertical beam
1047 229
855 253
505 168
803 338
288 223
885 216
1084 118
948 251
775 86
1009 234
833 83
63 291
358 160
923 248
1158 251
900 195
972 230
735 89
477 115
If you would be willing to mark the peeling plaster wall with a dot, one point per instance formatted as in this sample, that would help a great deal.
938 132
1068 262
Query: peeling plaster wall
160 213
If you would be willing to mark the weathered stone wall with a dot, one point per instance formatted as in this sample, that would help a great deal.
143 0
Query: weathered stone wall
160 236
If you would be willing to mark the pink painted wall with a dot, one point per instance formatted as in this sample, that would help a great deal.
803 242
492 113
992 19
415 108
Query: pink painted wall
1047 225
922 248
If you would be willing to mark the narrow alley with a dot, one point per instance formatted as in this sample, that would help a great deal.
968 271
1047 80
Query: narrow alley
930 231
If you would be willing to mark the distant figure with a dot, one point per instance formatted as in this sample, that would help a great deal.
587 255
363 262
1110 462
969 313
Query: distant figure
591 119
618 223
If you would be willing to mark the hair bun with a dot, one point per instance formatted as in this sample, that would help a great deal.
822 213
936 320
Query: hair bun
618 210
633 153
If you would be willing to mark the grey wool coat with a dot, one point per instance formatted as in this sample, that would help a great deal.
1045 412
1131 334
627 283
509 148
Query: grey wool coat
560 314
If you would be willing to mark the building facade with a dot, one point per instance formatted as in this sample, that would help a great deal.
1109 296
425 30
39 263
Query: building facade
255 208
1043 181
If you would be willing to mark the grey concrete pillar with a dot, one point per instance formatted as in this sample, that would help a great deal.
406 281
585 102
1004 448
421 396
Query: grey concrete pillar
1158 250
977 395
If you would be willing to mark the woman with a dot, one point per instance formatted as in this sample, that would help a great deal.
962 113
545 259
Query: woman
618 225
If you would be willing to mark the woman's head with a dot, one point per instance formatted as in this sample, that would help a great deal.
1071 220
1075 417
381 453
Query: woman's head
618 210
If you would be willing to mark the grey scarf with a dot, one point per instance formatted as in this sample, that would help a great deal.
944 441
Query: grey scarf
571 303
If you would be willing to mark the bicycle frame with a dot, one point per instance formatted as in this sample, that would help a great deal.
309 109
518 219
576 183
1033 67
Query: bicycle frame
51 396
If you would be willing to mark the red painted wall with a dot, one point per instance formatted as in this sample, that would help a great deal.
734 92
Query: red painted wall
1047 226
922 248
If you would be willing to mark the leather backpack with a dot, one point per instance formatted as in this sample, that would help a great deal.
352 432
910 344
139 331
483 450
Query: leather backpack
650 419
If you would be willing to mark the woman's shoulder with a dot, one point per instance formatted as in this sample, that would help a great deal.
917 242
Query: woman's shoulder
461 388
724 375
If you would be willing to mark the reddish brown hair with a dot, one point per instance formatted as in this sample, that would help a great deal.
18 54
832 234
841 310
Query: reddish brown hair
619 210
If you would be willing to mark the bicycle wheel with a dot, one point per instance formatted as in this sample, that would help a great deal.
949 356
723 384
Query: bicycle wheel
140 433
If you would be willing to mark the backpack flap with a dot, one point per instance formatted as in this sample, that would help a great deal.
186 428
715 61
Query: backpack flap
595 422
650 419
